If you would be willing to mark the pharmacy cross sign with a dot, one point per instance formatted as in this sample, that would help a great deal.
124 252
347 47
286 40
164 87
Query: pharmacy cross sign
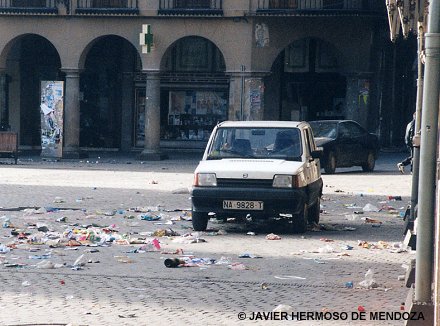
146 39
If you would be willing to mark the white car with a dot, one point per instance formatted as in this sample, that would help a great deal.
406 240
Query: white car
259 169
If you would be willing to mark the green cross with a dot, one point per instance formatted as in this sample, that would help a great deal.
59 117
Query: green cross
147 39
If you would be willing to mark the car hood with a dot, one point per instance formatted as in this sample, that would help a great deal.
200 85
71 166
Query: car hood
319 141
254 168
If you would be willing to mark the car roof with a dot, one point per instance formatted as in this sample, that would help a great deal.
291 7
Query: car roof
333 121
263 124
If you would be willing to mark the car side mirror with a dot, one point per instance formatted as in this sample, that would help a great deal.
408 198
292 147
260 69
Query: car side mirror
317 153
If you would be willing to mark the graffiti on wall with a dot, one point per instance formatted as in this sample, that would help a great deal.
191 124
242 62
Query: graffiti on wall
51 112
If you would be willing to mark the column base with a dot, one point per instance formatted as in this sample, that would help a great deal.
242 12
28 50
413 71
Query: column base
417 310
148 155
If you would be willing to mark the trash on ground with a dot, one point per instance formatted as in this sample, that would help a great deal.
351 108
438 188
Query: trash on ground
173 262
272 236
371 220
370 208
248 255
369 282
349 285
124 259
165 233
223 261
325 250
289 277
149 217
347 247
238 266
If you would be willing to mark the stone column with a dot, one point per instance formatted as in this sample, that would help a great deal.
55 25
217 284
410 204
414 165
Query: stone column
254 98
151 150
71 114
4 113
246 96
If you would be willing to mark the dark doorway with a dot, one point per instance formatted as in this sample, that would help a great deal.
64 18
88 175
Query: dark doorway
311 87
101 89
38 60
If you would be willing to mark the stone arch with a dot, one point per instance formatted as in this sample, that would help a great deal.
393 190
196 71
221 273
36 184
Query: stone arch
88 46
108 65
8 47
193 53
28 59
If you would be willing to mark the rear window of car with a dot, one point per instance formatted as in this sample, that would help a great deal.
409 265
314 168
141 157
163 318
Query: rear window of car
280 143
328 129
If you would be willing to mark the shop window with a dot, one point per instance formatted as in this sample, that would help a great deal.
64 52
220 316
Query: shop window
195 95
193 114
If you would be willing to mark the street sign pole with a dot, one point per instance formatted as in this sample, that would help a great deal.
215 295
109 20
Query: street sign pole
428 154
424 170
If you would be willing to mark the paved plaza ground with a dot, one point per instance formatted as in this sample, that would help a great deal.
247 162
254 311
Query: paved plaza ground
84 242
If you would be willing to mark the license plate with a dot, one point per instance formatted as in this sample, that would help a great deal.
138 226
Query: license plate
243 204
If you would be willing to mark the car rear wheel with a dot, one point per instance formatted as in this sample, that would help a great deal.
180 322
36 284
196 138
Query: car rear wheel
330 165
314 212
300 221
199 221
369 165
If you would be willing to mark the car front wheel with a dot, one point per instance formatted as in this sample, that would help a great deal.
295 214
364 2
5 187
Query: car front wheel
300 221
314 212
369 165
330 165
199 221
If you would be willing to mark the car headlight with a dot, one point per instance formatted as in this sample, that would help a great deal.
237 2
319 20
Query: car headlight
282 181
205 180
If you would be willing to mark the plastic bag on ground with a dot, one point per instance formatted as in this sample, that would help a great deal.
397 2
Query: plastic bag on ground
370 208
369 282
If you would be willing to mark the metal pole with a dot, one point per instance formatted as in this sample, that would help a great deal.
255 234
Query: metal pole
428 150
416 145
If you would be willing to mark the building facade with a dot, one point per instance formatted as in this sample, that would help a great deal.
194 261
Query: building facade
145 75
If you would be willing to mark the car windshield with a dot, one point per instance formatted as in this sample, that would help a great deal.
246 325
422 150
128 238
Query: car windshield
324 128
279 143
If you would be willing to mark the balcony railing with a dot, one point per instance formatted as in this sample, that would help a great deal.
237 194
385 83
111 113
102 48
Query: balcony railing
298 6
28 6
106 7
191 7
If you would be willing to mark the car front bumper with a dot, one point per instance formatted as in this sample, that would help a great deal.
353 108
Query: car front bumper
275 201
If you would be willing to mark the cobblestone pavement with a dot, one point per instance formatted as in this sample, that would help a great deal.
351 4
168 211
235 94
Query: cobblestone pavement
121 283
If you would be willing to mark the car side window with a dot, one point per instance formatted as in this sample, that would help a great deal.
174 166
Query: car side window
356 130
309 141
343 131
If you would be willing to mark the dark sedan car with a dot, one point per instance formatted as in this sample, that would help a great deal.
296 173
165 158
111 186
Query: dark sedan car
345 144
